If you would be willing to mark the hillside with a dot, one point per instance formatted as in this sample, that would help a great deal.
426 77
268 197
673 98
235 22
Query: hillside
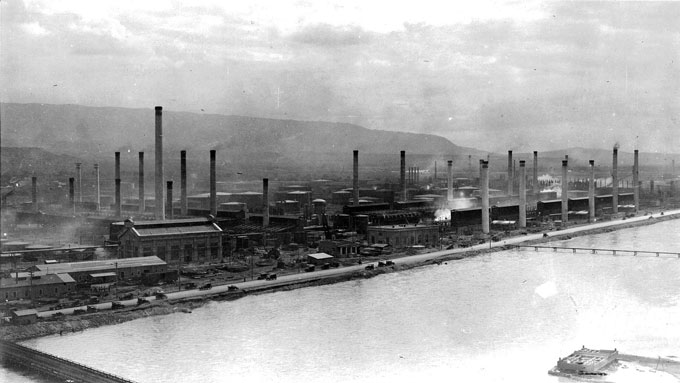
90 131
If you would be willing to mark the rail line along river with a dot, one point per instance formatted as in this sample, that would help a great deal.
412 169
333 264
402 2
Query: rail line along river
504 316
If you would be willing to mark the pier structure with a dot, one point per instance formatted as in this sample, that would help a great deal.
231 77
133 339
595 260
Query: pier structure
54 366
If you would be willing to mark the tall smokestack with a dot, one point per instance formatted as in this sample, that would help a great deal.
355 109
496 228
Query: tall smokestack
565 194
168 201
34 193
355 182
117 167
213 185
184 207
510 177
591 192
522 194
402 173
485 196
119 205
142 202
118 202
79 174
535 178
97 191
636 187
449 185
615 180
71 194
159 203
435 171
265 202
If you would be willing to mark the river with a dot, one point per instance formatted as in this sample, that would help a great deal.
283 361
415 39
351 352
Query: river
499 317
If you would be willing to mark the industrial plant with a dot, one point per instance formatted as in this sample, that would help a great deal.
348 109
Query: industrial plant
212 232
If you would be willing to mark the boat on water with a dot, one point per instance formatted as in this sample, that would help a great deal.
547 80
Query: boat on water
585 363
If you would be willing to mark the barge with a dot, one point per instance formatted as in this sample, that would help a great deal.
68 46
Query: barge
585 363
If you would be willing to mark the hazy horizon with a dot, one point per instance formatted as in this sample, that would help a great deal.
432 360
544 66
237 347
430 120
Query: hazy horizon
488 75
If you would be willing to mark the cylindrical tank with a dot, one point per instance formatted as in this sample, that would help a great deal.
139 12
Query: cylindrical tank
361 223
319 206
341 197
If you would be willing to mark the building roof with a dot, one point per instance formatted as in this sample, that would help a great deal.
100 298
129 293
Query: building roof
102 265
46 279
102 275
320 256
27 312
174 230
168 222
403 227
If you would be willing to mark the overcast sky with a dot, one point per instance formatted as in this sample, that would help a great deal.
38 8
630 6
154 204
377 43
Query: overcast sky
490 75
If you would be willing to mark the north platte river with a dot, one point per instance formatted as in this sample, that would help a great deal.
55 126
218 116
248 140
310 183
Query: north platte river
505 316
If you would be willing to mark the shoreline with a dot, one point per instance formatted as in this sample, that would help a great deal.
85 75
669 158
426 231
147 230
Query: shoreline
71 323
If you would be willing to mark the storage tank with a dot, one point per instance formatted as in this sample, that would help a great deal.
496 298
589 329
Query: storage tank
319 206
253 200
234 206
361 223
304 197
341 197
288 206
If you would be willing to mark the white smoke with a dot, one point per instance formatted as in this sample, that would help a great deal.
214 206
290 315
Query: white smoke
442 215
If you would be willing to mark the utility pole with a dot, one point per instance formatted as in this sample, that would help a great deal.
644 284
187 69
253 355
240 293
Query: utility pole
116 279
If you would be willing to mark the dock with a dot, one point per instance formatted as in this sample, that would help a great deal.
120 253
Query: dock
635 253
54 366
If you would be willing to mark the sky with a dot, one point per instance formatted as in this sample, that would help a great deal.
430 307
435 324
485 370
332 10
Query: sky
524 75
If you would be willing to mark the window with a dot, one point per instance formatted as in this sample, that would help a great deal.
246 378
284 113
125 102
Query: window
14 293
147 251
174 252
160 252
188 252
214 248
201 248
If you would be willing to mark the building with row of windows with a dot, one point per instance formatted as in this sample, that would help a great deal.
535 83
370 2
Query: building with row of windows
400 236
185 240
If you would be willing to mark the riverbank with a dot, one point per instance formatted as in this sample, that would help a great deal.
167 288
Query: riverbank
191 300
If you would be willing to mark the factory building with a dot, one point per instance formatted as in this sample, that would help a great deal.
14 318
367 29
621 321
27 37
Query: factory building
400 236
319 258
339 248
194 240
36 286
88 272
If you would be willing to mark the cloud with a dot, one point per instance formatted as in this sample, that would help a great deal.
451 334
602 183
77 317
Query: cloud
539 75
35 29
329 35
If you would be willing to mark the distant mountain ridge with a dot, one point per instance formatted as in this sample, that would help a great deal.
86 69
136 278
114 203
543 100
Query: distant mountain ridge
92 131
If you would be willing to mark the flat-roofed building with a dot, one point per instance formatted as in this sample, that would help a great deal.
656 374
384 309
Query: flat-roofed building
24 316
319 258
339 248
194 240
88 272
400 236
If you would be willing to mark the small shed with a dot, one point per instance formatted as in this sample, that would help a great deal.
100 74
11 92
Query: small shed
24 316
319 258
